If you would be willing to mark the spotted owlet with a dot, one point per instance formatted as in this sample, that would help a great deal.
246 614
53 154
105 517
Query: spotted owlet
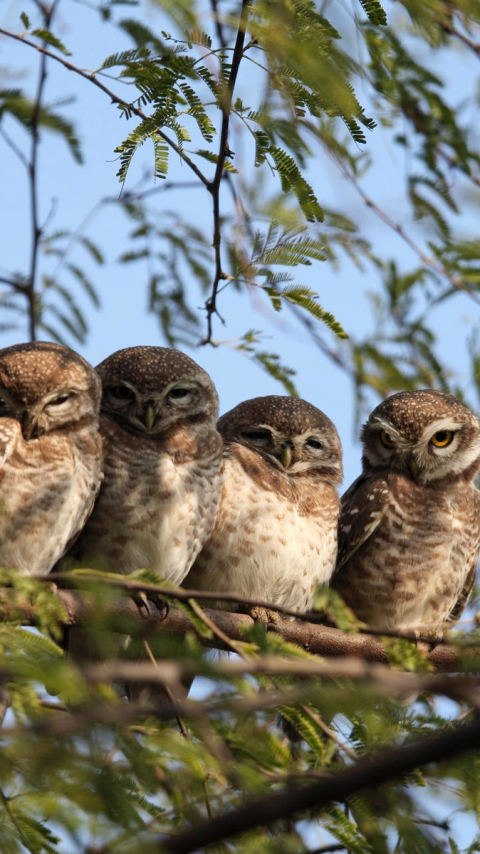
409 533
275 535
50 452
162 464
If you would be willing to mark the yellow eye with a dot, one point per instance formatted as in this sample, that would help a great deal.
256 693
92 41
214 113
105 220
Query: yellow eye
442 438
386 440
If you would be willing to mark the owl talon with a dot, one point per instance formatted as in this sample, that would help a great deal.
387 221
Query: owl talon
271 619
141 601
160 604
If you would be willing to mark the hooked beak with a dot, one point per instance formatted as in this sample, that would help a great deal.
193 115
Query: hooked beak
28 425
413 467
286 457
149 417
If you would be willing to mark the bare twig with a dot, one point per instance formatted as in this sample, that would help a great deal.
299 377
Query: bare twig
30 289
223 152
371 771
427 260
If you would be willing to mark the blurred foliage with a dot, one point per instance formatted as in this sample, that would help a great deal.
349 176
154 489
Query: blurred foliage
290 81
84 771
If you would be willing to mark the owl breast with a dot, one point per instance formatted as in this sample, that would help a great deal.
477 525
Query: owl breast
269 545
47 488
411 571
152 512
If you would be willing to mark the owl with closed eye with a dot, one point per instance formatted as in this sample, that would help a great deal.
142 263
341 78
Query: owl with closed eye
50 453
162 464
409 533
275 535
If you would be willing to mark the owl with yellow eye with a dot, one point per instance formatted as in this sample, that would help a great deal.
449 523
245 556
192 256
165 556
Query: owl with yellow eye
409 531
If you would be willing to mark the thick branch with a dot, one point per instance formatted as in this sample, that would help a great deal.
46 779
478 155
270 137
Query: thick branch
317 639
369 772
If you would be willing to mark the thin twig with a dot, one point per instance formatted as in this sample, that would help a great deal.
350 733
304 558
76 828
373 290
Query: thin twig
427 260
223 152
317 720
168 692
30 289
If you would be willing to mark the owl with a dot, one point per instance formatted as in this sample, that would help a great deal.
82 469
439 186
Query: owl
162 464
409 532
275 536
50 453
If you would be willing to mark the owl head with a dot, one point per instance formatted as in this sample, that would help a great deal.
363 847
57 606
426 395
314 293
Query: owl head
46 387
289 433
147 389
427 435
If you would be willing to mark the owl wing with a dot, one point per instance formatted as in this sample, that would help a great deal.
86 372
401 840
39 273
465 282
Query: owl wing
472 562
363 507
465 594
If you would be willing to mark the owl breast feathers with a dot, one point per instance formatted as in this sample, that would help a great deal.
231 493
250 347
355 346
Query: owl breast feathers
275 535
50 452
409 533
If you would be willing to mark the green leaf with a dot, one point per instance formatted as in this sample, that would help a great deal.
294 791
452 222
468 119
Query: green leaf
48 37
375 12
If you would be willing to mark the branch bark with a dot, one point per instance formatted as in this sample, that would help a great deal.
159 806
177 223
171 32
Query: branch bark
124 616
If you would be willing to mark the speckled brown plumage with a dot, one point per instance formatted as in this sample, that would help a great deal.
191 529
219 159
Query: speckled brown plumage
275 534
162 464
50 452
409 534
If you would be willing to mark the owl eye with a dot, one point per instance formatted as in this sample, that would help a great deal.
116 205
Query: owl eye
179 392
386 440
62 399
121 392
256 435
442 439
314 443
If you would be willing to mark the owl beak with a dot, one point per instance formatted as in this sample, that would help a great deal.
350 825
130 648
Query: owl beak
287 456
413 467
28 425
149 417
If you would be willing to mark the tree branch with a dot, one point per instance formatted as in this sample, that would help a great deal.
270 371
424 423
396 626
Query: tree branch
371 771
223 152
124 616
90 76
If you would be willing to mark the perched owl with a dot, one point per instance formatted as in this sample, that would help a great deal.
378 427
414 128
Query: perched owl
162 464
275 536
50 453
409 533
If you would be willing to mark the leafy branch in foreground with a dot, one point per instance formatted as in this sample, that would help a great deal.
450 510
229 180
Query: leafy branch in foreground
92 767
